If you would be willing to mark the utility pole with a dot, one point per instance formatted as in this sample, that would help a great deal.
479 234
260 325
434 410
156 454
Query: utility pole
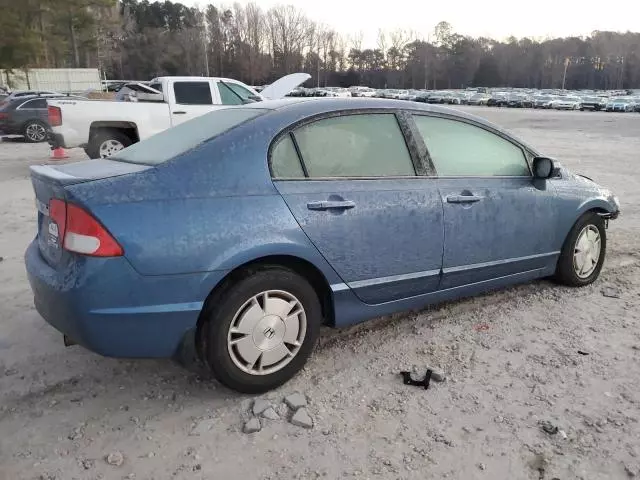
564 76
204 44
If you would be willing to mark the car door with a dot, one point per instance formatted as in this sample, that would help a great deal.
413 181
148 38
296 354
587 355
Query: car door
497 220
351 182
191 99
34 109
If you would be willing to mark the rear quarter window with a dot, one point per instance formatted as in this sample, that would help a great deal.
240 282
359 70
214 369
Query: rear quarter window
179 139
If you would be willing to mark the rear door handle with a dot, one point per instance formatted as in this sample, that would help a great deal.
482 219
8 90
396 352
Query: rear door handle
180 112
463 198
331 205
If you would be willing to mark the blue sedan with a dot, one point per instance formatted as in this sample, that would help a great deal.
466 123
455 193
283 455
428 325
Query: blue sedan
245 230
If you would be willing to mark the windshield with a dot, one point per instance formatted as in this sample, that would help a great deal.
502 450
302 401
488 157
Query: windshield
177 140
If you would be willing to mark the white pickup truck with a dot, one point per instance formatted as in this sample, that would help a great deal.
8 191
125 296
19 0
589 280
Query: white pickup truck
104 127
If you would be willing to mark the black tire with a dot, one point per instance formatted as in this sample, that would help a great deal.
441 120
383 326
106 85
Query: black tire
565 272
41 126
103 135
223 307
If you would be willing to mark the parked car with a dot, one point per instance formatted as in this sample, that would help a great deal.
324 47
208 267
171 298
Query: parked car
27 116
479 99
228 245
593 103
519 101
438 97
337 92
543 101
566 103
620 104
497 100
362 92
105 128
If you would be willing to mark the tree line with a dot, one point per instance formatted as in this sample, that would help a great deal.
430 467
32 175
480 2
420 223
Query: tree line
138 39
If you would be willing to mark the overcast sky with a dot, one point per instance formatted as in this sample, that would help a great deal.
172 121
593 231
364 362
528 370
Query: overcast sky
492 18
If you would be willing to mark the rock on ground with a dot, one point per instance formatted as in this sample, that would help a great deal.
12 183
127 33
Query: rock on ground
115 458
302 418
270 414
260 405
296 401
252 426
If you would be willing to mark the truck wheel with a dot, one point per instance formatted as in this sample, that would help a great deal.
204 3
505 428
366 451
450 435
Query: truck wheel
107 142
35 131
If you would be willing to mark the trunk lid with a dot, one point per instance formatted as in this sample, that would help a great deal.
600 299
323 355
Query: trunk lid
49 182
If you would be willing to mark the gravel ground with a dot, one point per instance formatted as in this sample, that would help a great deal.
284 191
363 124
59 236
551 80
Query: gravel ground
511 361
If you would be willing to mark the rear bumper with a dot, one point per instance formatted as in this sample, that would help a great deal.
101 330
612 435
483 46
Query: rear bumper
110 309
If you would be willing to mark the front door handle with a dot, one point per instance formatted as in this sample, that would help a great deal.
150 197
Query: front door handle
180 112
331 205
463 198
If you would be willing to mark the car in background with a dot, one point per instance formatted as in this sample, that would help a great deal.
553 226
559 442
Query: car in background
478 99
518 100
621 104
438 97
543 101
214 233
337 92
497 100
362 92
27 116
566 103
593 103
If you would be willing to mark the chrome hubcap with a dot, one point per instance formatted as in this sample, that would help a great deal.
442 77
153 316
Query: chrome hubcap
587 251
267 332
36 132
110 147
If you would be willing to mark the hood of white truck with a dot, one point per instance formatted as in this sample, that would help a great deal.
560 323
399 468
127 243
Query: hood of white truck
284 85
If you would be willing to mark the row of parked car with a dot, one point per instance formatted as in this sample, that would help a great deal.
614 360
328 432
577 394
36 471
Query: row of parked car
618 101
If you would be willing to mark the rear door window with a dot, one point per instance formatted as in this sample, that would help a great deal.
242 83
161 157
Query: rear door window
37 103
192 93
361 145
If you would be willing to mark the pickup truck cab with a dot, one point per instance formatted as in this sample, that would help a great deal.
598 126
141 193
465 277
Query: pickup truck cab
103 128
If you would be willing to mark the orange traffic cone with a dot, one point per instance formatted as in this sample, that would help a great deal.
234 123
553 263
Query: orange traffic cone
59 154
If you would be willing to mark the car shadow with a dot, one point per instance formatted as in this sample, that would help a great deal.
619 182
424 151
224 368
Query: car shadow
12 139
161 384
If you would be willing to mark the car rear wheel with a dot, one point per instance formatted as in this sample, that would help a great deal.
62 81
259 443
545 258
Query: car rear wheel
260 329
107 142
35 131
583 252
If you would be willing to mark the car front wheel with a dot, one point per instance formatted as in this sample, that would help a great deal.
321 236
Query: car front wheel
583 252
260 329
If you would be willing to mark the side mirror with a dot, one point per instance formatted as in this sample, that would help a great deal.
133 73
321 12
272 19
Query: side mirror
542 168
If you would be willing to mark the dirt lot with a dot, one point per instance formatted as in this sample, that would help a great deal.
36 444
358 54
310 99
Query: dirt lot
511 360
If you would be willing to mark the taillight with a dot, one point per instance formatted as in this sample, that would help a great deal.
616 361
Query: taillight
81 232
55 116
4 116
